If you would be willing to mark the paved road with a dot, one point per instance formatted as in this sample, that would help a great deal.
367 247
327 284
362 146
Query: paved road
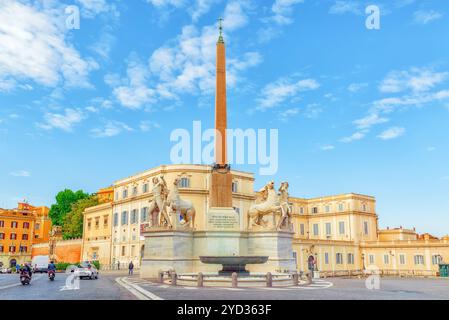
105 288
339 289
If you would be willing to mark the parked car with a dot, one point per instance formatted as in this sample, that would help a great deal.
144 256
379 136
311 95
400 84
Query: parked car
86 270
5 270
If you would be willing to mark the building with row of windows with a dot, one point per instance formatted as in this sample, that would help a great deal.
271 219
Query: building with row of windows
341 232
20 229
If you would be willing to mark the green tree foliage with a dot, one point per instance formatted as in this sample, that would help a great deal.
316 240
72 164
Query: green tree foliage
63 205
73 221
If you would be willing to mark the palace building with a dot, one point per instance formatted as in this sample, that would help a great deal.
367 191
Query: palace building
20 229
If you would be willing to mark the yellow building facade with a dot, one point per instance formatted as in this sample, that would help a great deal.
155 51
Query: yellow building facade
341 232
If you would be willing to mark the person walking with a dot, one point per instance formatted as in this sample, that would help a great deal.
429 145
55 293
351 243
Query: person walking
118 265
130 268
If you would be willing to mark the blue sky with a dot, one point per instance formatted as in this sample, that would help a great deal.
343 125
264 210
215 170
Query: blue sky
358 110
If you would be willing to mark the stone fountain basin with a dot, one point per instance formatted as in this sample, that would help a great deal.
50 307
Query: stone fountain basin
233 264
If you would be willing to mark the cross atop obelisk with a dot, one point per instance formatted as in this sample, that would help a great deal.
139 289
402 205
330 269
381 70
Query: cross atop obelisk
221 177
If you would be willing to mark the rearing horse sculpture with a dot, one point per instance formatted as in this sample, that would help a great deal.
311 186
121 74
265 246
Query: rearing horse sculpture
270 206
184 207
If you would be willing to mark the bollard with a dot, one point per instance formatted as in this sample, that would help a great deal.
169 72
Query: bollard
174 278
295 278
269 279
234 280
160 277
200 280
309 277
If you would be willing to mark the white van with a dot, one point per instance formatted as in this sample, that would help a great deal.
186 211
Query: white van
40 264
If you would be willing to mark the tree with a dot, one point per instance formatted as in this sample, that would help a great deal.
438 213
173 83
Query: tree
73 221
63 205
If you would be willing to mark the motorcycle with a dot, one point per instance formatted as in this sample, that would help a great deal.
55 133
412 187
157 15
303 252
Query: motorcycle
25 277
51 275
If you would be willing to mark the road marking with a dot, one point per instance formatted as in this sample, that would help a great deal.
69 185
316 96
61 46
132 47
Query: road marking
19 284
139 292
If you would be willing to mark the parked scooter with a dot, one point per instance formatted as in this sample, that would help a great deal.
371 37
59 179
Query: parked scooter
25 277
51 275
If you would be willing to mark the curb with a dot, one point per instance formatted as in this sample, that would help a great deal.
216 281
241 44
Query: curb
140 293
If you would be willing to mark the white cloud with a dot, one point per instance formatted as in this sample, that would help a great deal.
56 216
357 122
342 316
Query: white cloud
288 114
369 121
34 47
343 6
21 173
282 11
424 17
327 147
64 121
147 125
392 133
92 8
415 79
111 129
431 148
356 136
355 87
388 105
184 66
196 8
278 92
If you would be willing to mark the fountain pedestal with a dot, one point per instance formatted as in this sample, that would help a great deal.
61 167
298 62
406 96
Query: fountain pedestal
234 264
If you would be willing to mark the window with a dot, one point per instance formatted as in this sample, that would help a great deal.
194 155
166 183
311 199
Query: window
301 228
365 227
2 249
341 227
350 258
144 214
124 217
26 225
315 210
105 221
2 224
437 259
115 219
14 224
125 193
326 258
402 258
116 196
135 191
316 229
145 188
2 236
234 187
134 216
89 224
12 248
38 226
328 228
23 249
339 258
328 209
371 259
97 223
24 236
386 259
13 236
341 207
419 259
185 183
123 250
301 210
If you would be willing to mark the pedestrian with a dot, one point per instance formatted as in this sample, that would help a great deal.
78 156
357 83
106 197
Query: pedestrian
130 268
118 265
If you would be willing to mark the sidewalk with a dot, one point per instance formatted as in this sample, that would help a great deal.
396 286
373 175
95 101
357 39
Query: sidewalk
121 272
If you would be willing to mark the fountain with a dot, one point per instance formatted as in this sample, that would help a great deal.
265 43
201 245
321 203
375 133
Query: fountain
233 264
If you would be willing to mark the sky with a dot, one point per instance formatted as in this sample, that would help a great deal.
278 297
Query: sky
357 110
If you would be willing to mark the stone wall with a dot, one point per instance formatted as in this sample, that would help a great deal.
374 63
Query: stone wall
66 250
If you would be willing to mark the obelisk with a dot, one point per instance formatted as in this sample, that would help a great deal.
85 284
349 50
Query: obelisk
221 177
